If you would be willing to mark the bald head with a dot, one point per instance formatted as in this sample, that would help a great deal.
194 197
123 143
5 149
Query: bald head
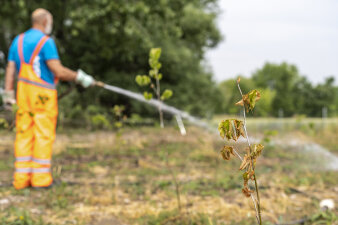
42 19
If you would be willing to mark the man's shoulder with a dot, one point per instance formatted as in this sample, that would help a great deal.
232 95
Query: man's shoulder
28 32
15 40
49 49
50 40
28 35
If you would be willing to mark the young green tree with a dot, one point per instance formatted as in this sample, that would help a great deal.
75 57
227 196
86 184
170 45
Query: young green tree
153 81
232 129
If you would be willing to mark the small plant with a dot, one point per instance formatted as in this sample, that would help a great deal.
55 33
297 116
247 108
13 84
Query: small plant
156 76
324 217
232 129
96 117
99 121
3 124
176 182
18 217
119 116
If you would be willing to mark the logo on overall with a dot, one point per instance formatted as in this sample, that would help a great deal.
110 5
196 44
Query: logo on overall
36 66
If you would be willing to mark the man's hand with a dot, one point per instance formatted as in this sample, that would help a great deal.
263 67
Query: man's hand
8 98
84 79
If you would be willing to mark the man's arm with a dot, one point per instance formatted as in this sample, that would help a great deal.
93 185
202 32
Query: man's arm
63 73
9 77
8 96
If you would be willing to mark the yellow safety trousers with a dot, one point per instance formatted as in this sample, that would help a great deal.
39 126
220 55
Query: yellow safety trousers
35 124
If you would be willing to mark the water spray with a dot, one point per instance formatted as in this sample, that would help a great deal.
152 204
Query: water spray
153 102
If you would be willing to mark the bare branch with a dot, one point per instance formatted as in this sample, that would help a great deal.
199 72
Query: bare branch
238 155
244 116
256 210
252 197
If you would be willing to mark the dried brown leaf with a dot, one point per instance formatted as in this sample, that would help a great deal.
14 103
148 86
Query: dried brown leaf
249 100
241 103
247 192
226 152
257 151
239 128
245 162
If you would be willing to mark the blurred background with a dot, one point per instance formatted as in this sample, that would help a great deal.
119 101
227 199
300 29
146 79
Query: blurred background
286 49
110 163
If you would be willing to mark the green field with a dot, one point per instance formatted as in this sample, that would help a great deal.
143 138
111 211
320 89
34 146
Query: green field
123 178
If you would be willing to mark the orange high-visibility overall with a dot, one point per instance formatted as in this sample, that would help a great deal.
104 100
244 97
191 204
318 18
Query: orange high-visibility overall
35 124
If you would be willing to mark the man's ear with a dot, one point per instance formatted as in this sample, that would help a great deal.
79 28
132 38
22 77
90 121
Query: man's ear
45 21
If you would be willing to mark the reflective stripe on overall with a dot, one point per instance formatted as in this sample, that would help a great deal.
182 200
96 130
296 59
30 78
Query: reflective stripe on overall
35 124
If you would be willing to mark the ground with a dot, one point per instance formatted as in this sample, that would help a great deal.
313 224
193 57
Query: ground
128 177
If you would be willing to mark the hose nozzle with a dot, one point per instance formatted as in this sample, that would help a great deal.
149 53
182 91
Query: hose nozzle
99 84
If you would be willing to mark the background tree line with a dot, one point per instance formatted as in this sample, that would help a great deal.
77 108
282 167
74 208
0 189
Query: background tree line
284 93
111 40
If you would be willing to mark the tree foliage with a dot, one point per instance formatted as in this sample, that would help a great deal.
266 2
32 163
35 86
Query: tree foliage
280 78
111 40
284 89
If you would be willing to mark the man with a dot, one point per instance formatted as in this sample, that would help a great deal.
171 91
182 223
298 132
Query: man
34 56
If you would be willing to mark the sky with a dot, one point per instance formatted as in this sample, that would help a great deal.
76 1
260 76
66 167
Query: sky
300 32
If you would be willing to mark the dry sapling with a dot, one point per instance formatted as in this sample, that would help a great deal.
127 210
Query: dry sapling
232 129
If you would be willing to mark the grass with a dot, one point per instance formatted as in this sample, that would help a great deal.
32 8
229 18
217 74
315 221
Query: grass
105 178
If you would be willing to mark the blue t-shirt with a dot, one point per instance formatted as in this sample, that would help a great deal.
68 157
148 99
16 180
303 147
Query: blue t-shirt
30 41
